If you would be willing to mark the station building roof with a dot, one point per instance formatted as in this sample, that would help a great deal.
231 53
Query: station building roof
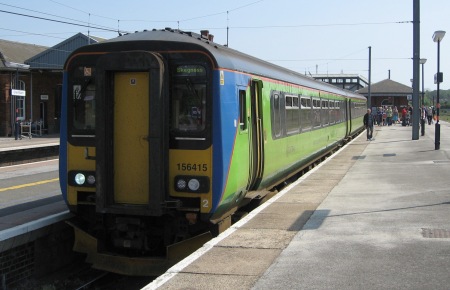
387 87
13 54
24 56
54 57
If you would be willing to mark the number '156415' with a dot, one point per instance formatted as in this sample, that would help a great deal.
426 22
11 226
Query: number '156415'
192 166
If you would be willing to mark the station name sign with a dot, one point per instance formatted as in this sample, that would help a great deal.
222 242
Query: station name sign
18 93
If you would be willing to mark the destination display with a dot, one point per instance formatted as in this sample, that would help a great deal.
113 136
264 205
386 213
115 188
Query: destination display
190 70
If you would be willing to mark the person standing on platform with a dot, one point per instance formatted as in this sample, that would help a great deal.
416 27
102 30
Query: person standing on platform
430 115
389 114
380 116
423 118
395 115
404 116
368 123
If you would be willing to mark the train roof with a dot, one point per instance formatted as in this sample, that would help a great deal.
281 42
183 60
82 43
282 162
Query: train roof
228 58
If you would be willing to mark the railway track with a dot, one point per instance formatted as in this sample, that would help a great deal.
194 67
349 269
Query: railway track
82 277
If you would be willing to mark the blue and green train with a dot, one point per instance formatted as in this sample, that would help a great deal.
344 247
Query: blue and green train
166 134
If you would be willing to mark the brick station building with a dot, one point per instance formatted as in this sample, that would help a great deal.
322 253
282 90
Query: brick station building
31 82
387 93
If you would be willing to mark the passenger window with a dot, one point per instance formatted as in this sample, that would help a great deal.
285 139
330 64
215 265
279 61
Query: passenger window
242 110
316 113
292 114
276 116
305 114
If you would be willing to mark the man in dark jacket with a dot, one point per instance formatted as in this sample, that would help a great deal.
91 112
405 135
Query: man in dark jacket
368 123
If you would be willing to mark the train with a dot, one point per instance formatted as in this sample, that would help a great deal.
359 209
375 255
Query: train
166 135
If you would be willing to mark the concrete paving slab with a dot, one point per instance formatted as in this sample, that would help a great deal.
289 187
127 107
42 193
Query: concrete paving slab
208 282
303 197
234 261
258 238
288 222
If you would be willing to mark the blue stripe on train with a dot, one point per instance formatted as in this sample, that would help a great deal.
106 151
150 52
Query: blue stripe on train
63 141
225 123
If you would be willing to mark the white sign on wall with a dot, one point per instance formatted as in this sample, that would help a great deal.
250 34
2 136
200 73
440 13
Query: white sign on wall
18 93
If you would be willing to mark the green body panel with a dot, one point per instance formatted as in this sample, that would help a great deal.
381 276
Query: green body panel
283 155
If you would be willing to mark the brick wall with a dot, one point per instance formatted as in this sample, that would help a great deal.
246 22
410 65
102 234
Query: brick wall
5 104
16 265
46 84
42 90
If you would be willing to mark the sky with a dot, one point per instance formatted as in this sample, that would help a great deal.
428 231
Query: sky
321 36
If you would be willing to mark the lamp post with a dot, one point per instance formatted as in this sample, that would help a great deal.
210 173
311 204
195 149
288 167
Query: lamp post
437 37
422 120
422 62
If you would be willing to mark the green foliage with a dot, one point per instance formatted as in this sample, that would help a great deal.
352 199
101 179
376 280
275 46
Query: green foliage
444 98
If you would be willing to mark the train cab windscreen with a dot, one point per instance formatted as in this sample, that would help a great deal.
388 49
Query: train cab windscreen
188 99
83 102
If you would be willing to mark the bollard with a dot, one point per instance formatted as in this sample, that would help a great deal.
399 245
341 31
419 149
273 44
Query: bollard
437 142
422 127
16 130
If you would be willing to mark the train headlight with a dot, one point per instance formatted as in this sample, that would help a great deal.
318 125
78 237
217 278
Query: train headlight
194 184
80 179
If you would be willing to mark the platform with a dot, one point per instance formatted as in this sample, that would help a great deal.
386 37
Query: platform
10 144
374 216
28 149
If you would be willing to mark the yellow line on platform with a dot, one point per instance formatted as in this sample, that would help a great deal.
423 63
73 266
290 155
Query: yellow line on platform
29 184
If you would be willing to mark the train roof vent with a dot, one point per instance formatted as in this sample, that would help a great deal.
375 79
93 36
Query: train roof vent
205 35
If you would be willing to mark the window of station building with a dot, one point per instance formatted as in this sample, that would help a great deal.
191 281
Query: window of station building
292 114
19 104
20 107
